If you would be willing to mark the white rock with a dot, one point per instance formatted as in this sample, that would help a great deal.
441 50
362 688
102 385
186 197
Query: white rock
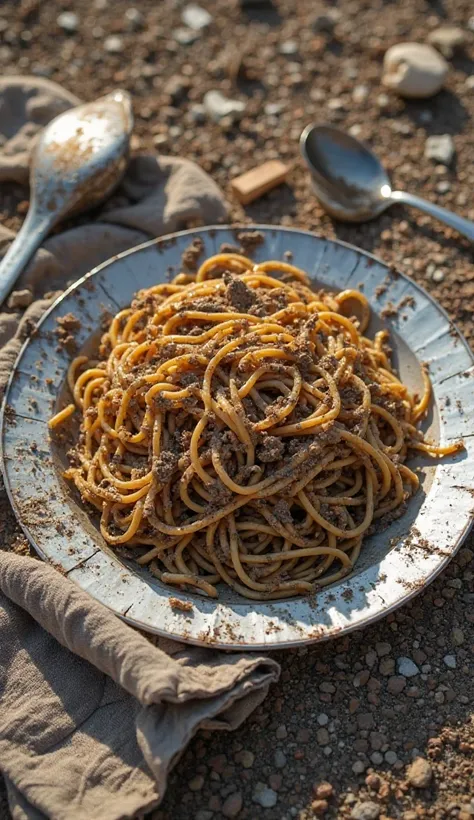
196 17
288 48
68 21
264 796
407 667
447 39
437 275
185 36
218 106
134 17
360 93
414 70
450 661
113 44
440 148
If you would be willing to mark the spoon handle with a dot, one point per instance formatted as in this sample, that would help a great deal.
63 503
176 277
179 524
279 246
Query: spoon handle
34 229
463 226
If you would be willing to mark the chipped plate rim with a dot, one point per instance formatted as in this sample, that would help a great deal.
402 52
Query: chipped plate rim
61 532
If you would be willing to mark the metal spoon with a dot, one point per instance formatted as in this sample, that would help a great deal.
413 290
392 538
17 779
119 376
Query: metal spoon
352 185
77 161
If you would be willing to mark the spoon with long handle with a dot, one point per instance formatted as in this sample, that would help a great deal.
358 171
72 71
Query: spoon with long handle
353 186
78 160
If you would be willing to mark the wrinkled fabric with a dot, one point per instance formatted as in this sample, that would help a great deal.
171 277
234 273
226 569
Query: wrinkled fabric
93 714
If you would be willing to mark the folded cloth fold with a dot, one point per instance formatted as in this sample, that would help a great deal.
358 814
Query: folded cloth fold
92 713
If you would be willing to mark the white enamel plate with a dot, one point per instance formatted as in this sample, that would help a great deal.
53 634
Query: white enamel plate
394 565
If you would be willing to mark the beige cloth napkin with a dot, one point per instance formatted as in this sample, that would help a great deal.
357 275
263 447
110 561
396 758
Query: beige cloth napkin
92 714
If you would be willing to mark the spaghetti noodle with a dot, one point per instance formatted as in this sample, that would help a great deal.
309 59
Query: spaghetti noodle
239 428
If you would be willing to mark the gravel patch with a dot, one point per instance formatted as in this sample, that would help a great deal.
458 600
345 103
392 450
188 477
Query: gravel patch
352 688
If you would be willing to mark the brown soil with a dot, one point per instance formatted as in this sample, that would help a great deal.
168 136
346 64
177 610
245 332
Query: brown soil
342 711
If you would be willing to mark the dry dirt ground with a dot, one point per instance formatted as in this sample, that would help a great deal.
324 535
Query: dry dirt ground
342 712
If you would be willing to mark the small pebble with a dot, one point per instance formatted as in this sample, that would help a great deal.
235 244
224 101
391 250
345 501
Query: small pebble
450 660
218 106
437 275
281 732
414 70
134 18
264 797
195 17
323 719
114 44
196 783
458 636
197 112
68 21
447 39
365 811
358 767
440 149
288 48
326 22
232 805
247 759
376 758
279 759
443 187
419 773
390 757
320 807
360 93
324 790
185 36
20 299
407 668
273 109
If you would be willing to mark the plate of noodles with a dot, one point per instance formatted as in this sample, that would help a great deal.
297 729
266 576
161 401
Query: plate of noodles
243 438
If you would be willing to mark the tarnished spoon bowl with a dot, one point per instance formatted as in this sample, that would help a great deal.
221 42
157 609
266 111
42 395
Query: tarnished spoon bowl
78 160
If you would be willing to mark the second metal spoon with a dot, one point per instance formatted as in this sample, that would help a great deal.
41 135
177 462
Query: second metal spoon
352 185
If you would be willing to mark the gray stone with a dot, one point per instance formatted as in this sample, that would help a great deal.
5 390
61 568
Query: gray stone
264 796
407 667
68 21
450 660
279 759
365 811
218 106
414 70
195 17
440 149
